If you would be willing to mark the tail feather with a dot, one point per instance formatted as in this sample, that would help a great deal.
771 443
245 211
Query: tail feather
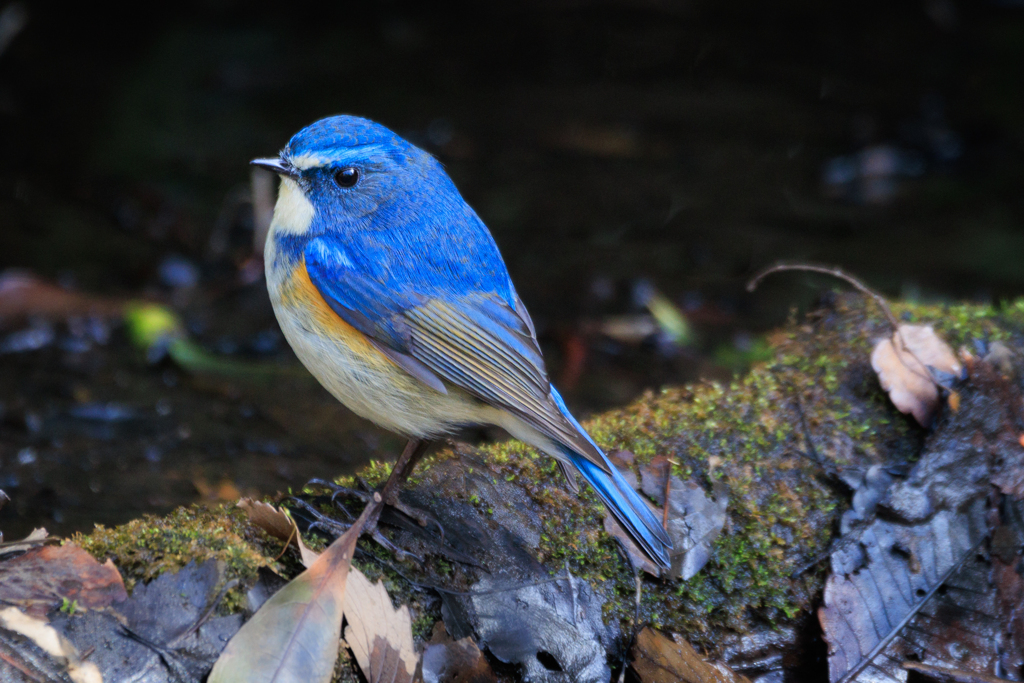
629 509
632 513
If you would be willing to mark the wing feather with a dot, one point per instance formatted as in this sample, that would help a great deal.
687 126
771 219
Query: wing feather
479 361
474 340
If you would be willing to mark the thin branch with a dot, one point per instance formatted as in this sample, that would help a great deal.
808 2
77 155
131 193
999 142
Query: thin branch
878 299
834 272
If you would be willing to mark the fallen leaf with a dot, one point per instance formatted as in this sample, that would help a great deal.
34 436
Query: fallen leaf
34 539
902 364
628 329
880 585
224 490
23 294
953 402
1001 356
454 661
294 635
657 659
163 633
944 674
694 520
51 642
623 461
379 635
279 524
44 577
553 629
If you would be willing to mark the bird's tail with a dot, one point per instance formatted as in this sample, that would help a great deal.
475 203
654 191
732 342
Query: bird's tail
632 513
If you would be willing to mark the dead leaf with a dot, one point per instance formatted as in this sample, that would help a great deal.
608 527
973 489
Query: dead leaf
23 294
454 661
224 490
51 642
657 659
902 364
34 539
694 521
293 638
279 524
165 632
876 602
379 635
44 577
552 629
1001 356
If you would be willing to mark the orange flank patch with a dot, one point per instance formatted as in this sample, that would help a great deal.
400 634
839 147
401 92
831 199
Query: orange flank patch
301 295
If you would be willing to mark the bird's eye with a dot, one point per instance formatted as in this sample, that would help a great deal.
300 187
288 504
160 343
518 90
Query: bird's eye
346 177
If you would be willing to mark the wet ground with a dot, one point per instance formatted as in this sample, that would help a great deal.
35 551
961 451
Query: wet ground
609 146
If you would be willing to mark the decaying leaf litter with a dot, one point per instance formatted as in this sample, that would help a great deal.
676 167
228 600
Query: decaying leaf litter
811 459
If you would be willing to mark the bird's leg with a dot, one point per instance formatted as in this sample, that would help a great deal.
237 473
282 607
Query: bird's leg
414 450
388 495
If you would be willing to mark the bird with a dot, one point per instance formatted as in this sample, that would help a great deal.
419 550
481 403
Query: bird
392 292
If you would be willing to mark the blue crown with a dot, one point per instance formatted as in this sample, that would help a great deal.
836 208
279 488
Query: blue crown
341 131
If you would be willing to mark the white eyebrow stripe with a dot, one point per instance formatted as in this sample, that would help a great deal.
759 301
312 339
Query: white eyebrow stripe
304 162
307 161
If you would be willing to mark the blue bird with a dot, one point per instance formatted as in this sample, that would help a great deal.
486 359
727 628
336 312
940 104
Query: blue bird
392 292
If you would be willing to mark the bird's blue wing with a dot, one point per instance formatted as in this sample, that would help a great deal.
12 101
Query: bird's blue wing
473 339
478 341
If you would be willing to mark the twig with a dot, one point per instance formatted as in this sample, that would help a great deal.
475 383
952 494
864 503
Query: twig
878 299
834 272
287 543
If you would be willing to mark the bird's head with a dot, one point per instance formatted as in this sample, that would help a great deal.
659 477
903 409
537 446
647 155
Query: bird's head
340 172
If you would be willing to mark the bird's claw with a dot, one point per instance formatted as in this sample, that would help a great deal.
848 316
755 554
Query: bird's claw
420 517
334 527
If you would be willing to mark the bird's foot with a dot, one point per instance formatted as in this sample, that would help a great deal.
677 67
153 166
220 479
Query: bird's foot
334 527
421 517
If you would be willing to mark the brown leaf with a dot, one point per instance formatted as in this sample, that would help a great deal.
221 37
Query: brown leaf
279 524
901 363
293 638
454 661
656 659
23 294
52 643
379 635
34 539
223 490
44 577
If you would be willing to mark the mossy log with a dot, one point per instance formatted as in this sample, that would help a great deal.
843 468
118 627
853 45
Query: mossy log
779 438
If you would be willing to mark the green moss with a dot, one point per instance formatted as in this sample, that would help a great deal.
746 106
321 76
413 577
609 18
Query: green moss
346 669
774 438
147 547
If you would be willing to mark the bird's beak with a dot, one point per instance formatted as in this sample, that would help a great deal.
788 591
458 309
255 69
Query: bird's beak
277 165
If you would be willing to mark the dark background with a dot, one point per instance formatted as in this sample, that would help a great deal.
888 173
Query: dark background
608 145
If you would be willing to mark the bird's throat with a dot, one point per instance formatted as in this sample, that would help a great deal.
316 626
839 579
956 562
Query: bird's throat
293 214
